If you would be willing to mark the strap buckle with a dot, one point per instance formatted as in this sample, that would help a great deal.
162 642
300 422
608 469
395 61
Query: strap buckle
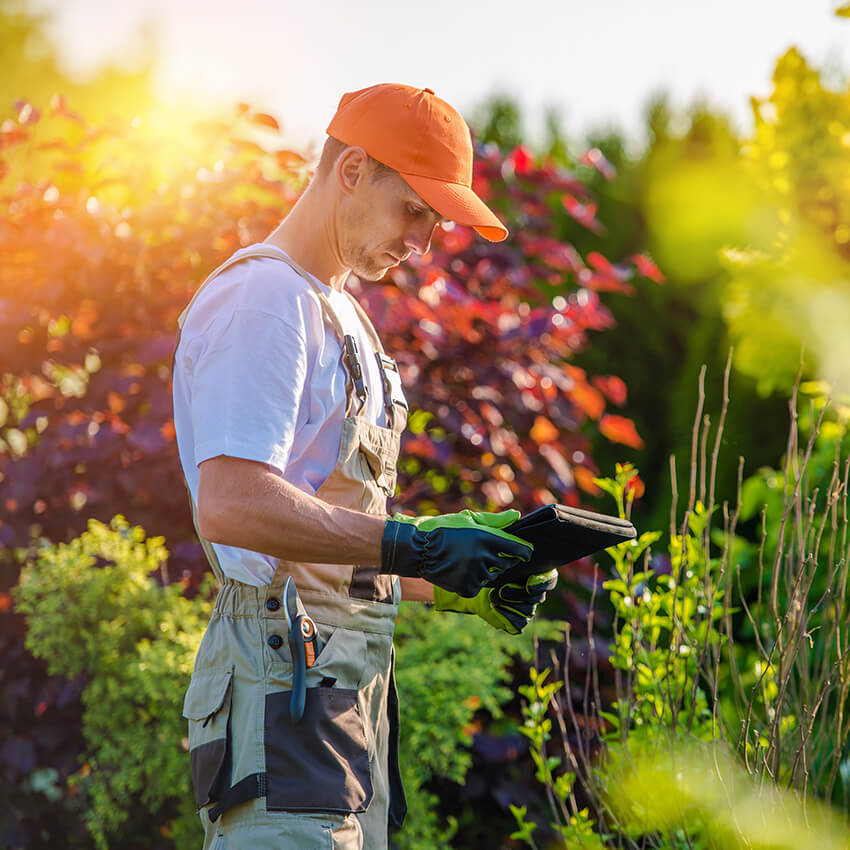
352 359
391 378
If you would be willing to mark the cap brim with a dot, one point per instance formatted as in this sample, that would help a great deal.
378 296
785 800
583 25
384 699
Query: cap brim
458 203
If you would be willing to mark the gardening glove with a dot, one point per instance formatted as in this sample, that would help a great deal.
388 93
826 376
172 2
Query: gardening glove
460 553
508 607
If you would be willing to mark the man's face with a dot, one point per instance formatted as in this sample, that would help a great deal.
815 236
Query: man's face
384 220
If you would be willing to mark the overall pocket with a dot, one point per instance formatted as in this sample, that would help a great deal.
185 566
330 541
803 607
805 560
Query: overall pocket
207 708
321 763
383 472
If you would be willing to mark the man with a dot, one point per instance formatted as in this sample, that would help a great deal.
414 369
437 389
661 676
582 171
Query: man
288 416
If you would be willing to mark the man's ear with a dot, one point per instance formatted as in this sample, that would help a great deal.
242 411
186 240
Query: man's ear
351 169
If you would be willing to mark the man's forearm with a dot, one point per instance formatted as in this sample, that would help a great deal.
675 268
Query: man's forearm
263 512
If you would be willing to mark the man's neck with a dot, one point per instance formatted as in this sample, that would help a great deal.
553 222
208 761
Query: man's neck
309 240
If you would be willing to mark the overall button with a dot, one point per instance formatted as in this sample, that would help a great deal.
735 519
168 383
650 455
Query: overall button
275 641
272 603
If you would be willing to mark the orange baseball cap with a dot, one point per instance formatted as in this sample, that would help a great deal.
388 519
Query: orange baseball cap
426 141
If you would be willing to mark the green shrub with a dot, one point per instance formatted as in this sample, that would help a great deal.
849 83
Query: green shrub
95 610
739 646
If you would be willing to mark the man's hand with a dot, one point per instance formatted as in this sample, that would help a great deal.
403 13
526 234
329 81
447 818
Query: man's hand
508 607
460 553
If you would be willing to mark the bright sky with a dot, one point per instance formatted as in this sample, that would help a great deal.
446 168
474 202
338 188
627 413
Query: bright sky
597 61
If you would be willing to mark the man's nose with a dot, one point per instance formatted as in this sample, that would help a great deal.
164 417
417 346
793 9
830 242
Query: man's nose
419 239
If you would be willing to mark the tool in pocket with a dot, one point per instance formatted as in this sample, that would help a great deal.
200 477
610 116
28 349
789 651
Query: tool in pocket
304 647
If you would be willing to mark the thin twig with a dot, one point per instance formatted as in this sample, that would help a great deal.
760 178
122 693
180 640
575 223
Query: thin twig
694 438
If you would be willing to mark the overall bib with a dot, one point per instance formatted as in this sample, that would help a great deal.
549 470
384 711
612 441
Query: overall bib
332 779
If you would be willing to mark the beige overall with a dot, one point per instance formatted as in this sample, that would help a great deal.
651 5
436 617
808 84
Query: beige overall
330 780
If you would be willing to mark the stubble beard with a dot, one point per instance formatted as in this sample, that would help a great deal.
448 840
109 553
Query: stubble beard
364 265
358 258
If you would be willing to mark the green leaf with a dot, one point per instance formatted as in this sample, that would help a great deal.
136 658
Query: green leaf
615 584
418 421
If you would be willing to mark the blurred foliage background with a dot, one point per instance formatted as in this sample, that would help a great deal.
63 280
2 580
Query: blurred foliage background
655 261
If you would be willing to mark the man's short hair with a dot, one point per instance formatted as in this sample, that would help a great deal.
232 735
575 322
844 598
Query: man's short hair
330 153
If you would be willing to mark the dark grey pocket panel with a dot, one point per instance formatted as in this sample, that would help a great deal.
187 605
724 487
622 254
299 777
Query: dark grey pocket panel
321 763
207 708
367 582
206 762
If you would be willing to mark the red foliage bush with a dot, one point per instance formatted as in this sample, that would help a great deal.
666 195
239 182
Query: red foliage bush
106 232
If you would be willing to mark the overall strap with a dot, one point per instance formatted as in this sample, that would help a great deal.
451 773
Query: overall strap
355 386
328 312
394 403
271 253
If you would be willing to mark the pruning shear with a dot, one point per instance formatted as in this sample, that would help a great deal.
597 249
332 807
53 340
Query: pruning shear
303 647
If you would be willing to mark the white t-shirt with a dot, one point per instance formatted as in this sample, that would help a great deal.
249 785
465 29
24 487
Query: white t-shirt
258 375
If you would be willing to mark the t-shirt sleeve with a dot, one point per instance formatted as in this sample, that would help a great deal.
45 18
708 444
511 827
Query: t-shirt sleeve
248 373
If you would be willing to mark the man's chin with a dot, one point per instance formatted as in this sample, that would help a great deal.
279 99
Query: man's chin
373 273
